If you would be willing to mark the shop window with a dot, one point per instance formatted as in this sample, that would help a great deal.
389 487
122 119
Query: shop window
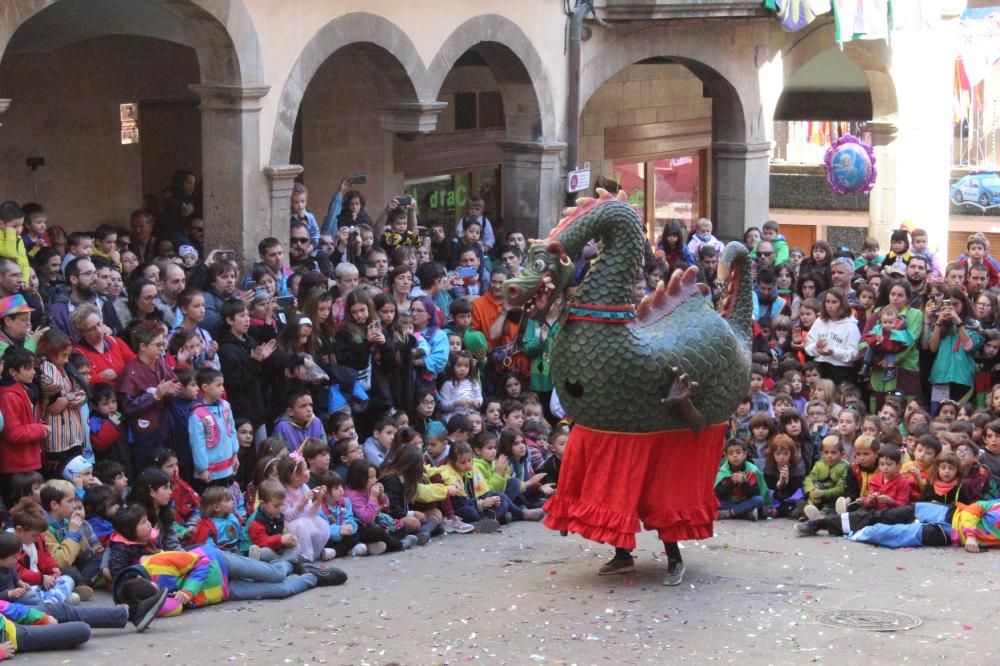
442 199
666 188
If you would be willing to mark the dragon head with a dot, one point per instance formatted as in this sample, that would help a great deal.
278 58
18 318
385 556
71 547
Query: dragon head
548 270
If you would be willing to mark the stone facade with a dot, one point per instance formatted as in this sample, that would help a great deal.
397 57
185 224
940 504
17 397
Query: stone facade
318 89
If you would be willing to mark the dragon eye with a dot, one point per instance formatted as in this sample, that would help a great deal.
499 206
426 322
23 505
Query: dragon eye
539 265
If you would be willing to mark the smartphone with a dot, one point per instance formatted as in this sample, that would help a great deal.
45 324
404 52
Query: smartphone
946 303
226 255
251 286
357 179
404 201
377 325
467 272
285 301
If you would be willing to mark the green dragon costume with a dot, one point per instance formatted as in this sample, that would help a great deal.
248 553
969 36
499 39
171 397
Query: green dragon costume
650 389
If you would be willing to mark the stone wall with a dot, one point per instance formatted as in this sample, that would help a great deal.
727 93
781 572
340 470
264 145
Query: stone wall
638 95
65 109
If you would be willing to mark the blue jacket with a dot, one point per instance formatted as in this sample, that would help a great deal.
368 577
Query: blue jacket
213 451
339 516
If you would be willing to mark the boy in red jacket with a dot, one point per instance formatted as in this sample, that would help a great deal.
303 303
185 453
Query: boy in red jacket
22 436
39 579
887 488
267 529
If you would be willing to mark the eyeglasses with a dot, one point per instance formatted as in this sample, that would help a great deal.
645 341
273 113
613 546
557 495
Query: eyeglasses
964 453
765 254
300 241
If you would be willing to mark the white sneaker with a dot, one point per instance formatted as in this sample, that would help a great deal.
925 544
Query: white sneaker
327 554
376 548
254 553
455 524
841 505
359 550
73 599
812 512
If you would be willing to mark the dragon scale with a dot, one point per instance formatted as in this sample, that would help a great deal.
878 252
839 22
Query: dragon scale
611 376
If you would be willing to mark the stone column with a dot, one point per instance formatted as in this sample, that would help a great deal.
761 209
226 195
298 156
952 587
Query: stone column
533 183
740 187
882 198
281 178
232 182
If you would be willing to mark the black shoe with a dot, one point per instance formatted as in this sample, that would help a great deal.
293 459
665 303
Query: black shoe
890 374
864 373
437 531
506 519
617 565
142 613
675 573
325 576
422 538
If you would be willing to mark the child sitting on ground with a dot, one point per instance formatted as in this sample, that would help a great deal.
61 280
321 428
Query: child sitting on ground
827 480
187 503
456 473
784 473
346 536
69 539
267 526
36 578
317 456
740 485
219 525
946 482
918 471
100 504
368 501
887 488
302 509
864 467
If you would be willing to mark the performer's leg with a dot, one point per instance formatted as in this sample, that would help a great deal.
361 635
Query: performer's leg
675 564
621 563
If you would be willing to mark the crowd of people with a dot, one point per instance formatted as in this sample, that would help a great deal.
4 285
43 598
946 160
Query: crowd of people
186 431
874 404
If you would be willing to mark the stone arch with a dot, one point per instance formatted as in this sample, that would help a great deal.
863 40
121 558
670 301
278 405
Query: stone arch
515 63
222 31
378 40
872 57
728 75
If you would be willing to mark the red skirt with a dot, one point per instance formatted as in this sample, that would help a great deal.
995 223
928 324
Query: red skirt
612 484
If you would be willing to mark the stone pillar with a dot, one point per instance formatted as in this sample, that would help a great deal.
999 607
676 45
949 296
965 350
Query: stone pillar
232 182
740 187
532 186
882 198
281 178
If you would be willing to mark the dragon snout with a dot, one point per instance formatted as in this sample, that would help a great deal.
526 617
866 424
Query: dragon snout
513 291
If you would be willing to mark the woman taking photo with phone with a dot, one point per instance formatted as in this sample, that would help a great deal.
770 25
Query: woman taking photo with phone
953 336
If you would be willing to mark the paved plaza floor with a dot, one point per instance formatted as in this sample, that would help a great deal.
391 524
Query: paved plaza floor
754 594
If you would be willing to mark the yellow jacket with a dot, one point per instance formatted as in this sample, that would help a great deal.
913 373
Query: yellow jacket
450 476
12 247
